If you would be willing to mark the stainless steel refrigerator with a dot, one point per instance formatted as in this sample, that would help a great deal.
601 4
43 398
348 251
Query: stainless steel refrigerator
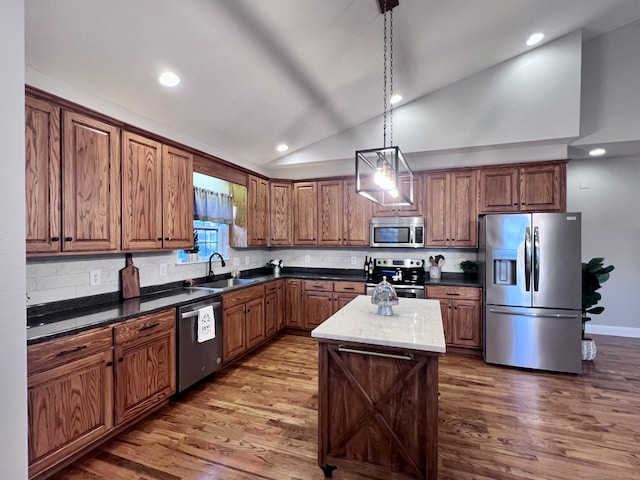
530 265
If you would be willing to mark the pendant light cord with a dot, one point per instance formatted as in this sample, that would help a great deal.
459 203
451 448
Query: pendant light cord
390 64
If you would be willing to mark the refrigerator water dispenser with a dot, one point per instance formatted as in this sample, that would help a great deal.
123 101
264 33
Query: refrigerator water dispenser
504 267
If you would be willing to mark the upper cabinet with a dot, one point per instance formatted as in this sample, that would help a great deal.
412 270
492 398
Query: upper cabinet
280 194
90 184
42 175
415 210
305 205
531 188
258 213
157 195
343 215
451 217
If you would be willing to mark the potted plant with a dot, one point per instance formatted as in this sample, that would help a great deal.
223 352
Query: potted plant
594 274
469 268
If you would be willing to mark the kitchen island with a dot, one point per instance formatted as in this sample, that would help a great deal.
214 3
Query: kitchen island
378 389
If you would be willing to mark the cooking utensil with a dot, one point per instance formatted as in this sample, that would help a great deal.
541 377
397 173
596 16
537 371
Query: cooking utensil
129 279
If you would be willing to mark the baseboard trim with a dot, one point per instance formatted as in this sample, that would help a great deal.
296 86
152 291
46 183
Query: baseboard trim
631 332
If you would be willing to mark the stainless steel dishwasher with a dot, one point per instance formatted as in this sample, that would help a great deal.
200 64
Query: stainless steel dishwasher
197 360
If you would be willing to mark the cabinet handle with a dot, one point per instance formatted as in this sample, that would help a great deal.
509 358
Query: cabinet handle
73 350
166 239
516 203
109 364
159 239
451 294
55 239
149 327
121 359
349 288
68 239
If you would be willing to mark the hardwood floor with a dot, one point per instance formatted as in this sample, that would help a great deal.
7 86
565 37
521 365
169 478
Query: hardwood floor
257 420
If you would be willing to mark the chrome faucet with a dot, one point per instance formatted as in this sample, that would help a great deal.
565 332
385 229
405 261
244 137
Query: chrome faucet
210 275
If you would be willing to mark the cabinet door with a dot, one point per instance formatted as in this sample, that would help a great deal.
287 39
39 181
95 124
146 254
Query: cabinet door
294 303
341 299
141 193
145 373
233 328
498 190
330 213
42 176
281 225
280 309
417 209
305 202
542 188
356 213
466 323
68 407
90 184
462 208
258 233
254 322
318 306
271 313
177 196
447 320
437 210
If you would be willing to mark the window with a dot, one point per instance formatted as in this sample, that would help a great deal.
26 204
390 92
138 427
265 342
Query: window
209 238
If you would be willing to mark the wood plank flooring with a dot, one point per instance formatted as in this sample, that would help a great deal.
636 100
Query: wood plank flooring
257 420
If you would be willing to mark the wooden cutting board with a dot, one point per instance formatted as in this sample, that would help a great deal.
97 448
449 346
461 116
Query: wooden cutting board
129 279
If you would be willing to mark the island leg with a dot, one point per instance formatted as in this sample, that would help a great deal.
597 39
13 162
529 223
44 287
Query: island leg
328 470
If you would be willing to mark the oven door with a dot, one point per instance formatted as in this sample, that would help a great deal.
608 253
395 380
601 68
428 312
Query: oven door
403 291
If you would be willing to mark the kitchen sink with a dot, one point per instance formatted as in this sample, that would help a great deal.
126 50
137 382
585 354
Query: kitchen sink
227 282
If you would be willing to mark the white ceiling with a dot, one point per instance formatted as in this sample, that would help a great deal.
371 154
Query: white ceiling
256 73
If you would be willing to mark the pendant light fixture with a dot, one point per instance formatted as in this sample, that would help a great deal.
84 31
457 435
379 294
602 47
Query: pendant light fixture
382 174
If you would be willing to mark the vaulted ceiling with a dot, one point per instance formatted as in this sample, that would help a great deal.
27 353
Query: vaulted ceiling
256 73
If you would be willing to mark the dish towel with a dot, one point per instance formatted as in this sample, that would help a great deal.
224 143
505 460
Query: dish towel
206 324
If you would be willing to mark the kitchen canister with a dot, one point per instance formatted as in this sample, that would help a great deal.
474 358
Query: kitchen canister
434 272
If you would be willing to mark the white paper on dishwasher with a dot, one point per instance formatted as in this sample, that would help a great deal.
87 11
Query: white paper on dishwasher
206 324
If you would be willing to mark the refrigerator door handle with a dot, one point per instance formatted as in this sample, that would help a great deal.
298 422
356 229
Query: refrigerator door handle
529 314
536 258
527 259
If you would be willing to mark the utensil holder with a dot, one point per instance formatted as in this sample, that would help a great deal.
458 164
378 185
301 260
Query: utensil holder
434 272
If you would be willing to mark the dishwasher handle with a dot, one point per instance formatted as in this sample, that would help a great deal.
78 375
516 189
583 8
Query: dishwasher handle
194 313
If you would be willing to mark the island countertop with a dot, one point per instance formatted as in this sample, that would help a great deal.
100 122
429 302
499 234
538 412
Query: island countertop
416 324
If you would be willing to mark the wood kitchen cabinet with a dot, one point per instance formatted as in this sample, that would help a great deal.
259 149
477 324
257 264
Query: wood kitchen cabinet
451 201
523 188
293 308
42 176
343 215
321 299
258 214
157 204
305 206
145 360
281 198
274 307
70 396
461 309
243 321
415 210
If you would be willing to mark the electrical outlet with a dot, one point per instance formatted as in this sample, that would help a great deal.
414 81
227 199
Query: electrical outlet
95 279
236 261
163 269
353 260
307 259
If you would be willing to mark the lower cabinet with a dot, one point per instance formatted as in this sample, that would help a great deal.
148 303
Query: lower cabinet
293 310
461 309
322 299
75 397
274 307
243 321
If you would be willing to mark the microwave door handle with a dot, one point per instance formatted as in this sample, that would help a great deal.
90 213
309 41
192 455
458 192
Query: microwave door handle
536 258
527 259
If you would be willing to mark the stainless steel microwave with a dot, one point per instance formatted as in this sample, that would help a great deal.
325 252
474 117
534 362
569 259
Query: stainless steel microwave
406 232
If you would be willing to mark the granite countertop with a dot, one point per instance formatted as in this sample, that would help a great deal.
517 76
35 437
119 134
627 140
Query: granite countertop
416 324
45 322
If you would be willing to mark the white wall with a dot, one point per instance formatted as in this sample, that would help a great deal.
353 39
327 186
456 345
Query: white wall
13 339
606 192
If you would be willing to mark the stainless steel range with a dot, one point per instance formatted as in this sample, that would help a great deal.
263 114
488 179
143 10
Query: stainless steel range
406 275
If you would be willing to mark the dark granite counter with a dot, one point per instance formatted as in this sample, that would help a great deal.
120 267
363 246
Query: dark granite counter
45 322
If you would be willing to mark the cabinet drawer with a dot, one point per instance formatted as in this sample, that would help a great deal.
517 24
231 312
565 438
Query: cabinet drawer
318 286
233 299
144 326
47 355
349 287
466 293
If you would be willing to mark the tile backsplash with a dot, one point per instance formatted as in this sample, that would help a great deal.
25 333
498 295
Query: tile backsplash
62 278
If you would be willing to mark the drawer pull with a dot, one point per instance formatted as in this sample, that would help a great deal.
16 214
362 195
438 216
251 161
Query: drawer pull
348 288
149 327
73 350
453 294
406 356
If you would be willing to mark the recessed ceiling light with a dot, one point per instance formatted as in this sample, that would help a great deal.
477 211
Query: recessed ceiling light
535 38
395 99
282 147
169 79
597 152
